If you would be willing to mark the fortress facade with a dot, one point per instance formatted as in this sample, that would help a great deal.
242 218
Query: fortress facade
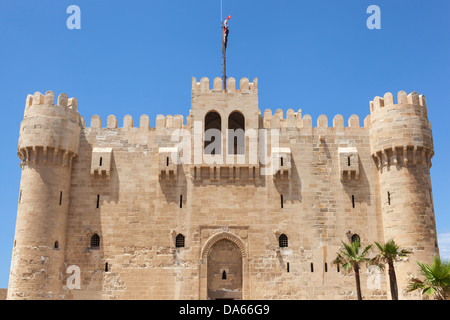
230 203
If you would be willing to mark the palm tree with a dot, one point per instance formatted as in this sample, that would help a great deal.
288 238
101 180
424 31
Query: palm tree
350 257
437 279
388 253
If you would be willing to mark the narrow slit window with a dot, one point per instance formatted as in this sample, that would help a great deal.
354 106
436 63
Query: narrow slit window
389 198
224 275
98 201
326 267
312 267
101 161
60 197
106 267
167 161
353 201
348 161
181 201
287 267
338 268
281 198
281 161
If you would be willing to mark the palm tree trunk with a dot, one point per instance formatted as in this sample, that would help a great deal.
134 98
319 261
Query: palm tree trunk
393 281
358 283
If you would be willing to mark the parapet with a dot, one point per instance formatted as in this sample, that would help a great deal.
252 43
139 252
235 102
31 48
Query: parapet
49 99
402 98
162 122
400 133
244 85
49 132
297 120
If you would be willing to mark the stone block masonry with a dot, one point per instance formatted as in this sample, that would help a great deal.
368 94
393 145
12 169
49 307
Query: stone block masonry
149 213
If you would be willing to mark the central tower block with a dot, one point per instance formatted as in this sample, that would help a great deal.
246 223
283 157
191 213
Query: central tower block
231 115
48 141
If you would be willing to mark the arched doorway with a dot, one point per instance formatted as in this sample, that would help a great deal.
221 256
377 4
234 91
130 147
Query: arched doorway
224 270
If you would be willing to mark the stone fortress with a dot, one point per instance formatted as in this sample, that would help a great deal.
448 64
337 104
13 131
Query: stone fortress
111 213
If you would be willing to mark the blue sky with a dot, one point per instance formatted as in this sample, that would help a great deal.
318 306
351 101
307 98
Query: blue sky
137 57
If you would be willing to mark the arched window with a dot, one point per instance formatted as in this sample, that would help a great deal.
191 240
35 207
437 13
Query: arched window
179 241
355 238
213 122
95 241
283 241
56 246
236 133
224 275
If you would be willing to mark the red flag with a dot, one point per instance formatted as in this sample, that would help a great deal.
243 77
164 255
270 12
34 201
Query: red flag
225 31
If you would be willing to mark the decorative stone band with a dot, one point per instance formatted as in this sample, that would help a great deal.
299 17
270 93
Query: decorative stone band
45 156
402 156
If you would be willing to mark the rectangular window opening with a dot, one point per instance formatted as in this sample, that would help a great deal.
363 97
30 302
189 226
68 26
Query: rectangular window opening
98 201
167 161
281 201
281 161
348 161
106 267
181 201
101 160
326 267
312 267
287 266
60 198
353 201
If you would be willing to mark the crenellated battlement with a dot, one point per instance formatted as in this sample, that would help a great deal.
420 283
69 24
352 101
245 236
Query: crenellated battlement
402 98
244 85
170 122
49 99
400 130
49 132
297 120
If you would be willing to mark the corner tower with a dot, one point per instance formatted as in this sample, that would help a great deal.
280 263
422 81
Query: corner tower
48 141
402 147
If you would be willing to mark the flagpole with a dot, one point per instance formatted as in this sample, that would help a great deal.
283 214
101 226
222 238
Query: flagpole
224 72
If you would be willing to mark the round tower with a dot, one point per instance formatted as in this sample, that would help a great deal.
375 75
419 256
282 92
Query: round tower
48 141
402 148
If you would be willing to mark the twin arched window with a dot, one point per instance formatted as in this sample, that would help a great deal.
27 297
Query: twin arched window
213 132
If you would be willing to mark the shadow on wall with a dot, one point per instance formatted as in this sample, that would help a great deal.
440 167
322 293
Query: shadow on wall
175 191
358 191
290 189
